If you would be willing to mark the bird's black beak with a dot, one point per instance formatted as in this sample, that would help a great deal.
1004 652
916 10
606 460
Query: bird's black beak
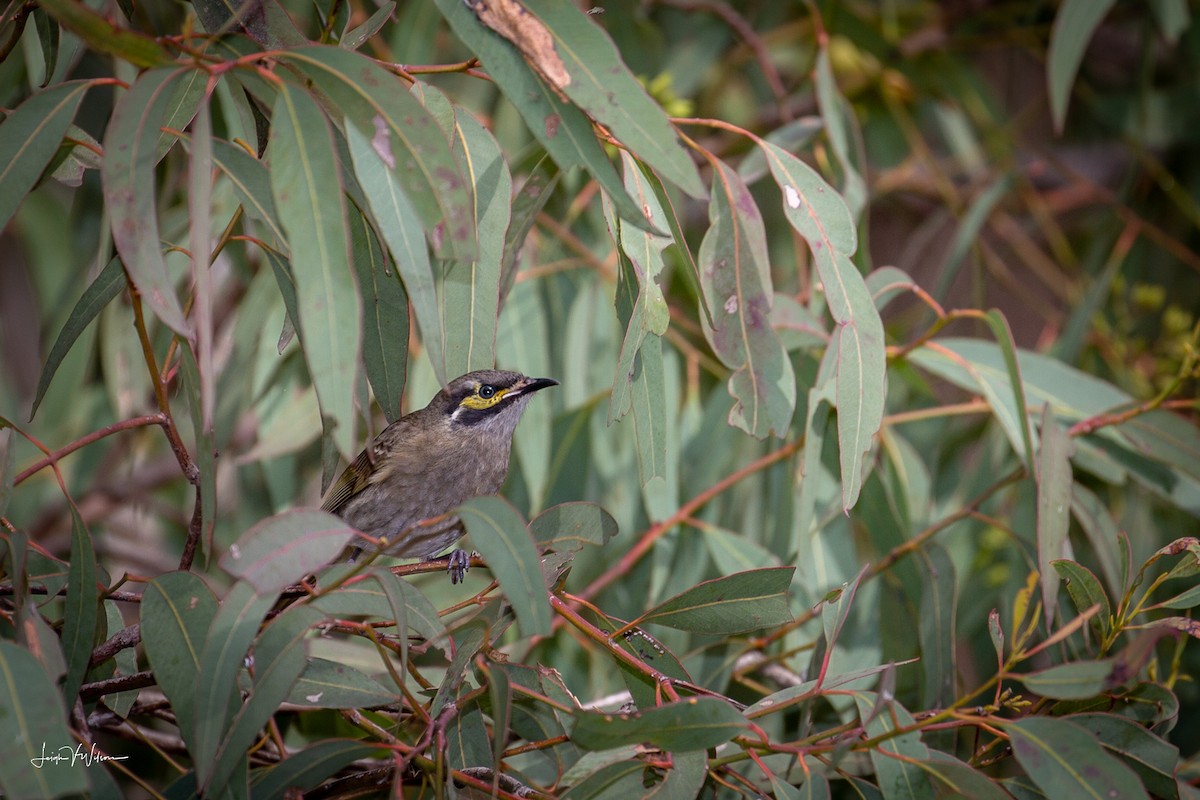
531 385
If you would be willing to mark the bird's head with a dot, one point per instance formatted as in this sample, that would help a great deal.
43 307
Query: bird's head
488 400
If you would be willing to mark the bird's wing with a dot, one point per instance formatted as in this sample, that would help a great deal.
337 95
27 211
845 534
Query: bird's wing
364 470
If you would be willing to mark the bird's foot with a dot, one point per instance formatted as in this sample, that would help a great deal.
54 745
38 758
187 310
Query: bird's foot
457 564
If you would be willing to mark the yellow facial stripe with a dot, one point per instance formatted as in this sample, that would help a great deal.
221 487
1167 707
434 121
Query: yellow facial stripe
479 403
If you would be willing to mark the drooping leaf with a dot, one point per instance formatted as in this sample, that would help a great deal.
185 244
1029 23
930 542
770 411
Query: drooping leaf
177 609
571 526
82 612
307 190
103 36
100 292
385 318
735 277
894 758
33 726
737 603
282 549
309 767
1065 761
1074 681
1053 506
1074 25
330 684
500 535
131 150
684 726
819 215
405 137
29 138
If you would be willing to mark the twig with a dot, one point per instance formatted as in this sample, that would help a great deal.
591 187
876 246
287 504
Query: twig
94 436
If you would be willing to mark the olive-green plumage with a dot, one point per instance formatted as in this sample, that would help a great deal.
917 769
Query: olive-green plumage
428 462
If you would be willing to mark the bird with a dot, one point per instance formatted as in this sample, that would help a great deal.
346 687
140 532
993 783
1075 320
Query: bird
402 486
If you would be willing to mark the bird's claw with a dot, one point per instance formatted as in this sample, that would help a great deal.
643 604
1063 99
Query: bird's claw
457 565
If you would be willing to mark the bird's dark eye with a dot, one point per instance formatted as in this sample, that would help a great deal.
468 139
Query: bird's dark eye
487 392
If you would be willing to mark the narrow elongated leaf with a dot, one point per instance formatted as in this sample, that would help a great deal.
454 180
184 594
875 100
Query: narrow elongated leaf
406 138
177 609
938 625
737 603
309 767
252 182
82 607
786 698
570 526
308 196
1054 507
1065 761
898 775
500 535
233 628
684 726
1153 759
649 410
470 289
282 549
561 127
1074 25
1085 591
100 292
839 121
735 277
330 684
961 779
33 727
599 82
819 215
103 36
685 779
130 154
385 318
29 138
1075 681
279 658
397 220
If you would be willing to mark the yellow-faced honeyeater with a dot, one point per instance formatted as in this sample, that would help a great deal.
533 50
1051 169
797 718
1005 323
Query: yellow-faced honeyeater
430 461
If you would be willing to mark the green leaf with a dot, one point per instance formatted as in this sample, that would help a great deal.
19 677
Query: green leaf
233 628
1153 759
561 127
309 767
100 292
33 726
105 37
1074 681
735 277
404 137
177 609
649 410
29 138
622 779
600 83
571 526
500 535
840 122
279 658
1064 760
251 181
397 220
937 629
1053 506
744 601
131 150
894 758
470 289
685 779
1074 25
82 610
820 216
367 597
1085 591
330 684
786 698
385 318
307 189
282 549
684 726
960 779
